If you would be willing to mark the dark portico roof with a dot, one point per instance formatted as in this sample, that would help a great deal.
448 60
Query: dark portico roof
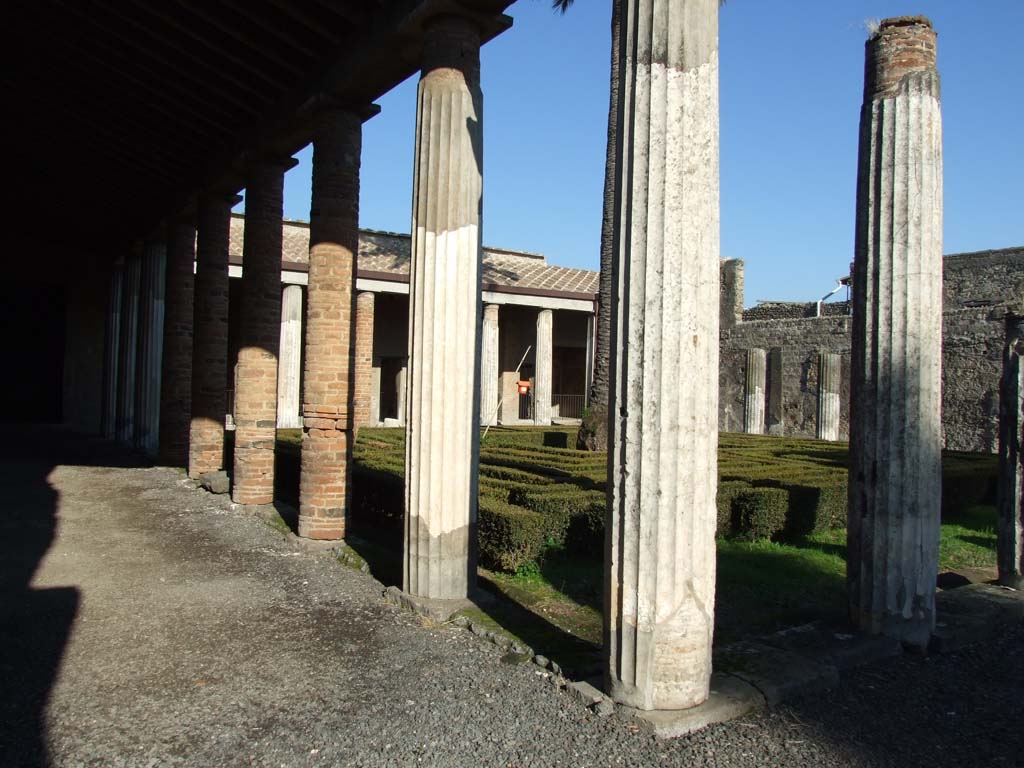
385 255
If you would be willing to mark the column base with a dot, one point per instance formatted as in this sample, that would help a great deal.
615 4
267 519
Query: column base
729 699
440 610
321 529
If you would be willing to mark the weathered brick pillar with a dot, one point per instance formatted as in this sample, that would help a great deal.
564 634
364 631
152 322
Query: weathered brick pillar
755 382
364 394
663 405
1010 498
210 336
260 333
489 367
176 383
289 367
442 437
895 483
327 388
829 384
542 378
112 353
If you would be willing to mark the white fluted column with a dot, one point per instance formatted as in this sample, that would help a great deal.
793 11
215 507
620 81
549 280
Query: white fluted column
289 361
829 382
663 405
442 408
489 367
754 394
152 280
896 432
1010 497
542 375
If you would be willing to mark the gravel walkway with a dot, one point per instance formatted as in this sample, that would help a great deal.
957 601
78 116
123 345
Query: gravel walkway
165 628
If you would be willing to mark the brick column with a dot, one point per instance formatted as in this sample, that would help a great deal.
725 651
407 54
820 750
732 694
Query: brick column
210 336
260 333
895 485
289 369
443 431
327 389
542 380
176 382
489 367
663 403
364 392
1010 496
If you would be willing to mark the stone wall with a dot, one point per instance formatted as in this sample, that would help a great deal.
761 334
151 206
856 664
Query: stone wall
978 289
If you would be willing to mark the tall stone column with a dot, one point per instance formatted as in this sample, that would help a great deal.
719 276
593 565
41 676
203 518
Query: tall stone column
895 484
663 405
151 342
210 336
443 407
176 381
591 342
489 367
289 365
1010 497
754 391
128 359
542 375
113 352
829 384
402 393
364 394
260 332
327 391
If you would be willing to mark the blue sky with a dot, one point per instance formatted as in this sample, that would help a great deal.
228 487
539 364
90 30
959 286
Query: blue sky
791 80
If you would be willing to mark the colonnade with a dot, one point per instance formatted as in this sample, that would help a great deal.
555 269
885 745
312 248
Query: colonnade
660 568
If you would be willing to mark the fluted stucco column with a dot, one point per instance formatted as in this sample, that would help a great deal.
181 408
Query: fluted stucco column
443 407
128 359
896 434
365 394
328 386
260 333
663 407
489 367
176 376
289 364
542 375
829 383
1010 497
112 353
210 336
754 391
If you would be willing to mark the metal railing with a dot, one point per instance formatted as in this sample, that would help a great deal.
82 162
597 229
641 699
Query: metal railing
568 406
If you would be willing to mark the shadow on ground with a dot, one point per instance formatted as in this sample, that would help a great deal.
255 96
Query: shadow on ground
35 623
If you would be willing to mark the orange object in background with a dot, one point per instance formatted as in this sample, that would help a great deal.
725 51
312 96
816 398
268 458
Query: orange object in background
524 387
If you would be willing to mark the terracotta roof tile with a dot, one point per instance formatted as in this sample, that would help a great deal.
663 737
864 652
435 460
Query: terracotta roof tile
388 252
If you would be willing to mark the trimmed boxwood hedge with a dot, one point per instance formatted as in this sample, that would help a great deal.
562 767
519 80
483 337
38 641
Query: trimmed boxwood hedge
534 494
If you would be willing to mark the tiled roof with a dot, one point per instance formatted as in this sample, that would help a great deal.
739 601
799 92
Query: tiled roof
387 253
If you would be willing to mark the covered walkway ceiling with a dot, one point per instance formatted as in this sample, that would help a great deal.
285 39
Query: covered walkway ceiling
121 111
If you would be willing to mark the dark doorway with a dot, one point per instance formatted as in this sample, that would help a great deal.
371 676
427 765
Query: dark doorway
32 332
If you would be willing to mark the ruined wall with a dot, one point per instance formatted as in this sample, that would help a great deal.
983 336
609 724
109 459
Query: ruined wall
978 290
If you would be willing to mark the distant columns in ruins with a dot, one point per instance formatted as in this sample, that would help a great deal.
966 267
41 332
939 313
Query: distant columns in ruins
289 364
896 434
328 385
260 333
366 393
176 382
542 372
1010 497
210 336
829 372
663 408
489 367
442 436
754 391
